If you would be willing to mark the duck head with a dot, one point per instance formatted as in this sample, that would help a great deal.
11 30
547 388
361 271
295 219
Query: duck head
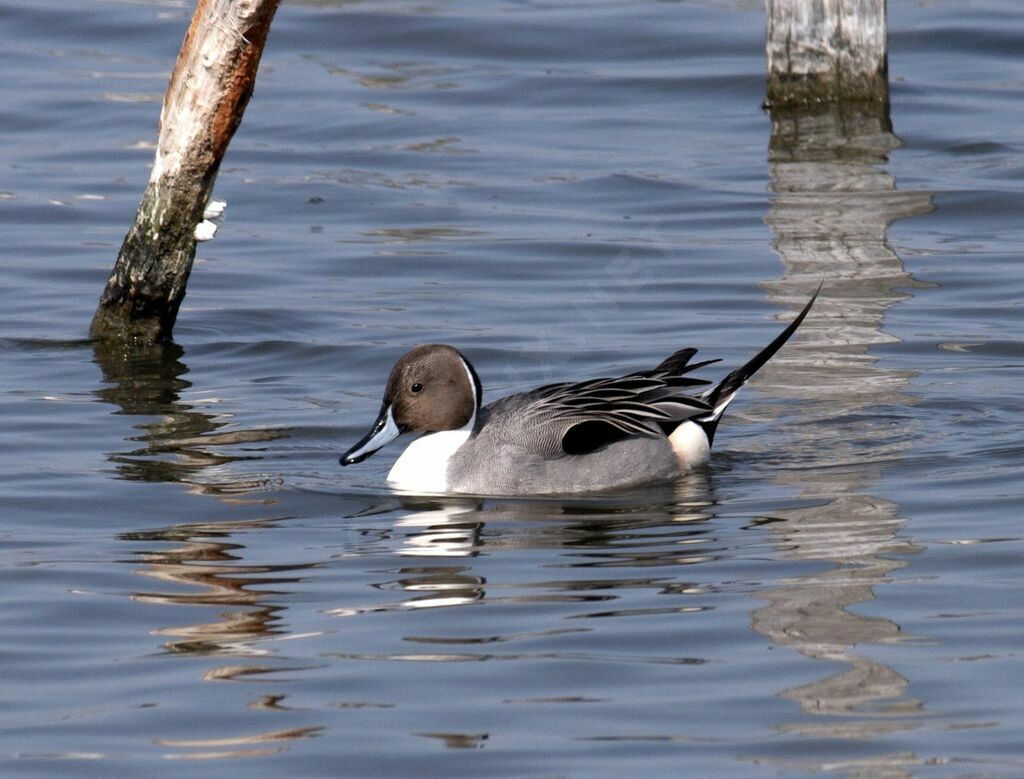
433 387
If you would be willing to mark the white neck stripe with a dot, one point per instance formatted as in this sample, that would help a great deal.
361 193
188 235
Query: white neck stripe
472 388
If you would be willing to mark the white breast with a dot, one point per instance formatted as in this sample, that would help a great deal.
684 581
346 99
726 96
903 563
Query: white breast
423 466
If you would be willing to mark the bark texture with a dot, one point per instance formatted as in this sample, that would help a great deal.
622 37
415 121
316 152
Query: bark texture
211 84
826 51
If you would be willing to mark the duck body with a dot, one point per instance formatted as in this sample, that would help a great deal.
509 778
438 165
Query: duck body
597 435
507 455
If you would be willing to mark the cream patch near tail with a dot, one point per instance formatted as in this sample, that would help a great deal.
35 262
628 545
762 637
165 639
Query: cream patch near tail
690 443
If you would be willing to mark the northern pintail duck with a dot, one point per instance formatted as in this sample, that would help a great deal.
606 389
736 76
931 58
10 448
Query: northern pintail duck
594 435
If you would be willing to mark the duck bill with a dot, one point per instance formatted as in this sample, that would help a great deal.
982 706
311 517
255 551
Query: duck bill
383 432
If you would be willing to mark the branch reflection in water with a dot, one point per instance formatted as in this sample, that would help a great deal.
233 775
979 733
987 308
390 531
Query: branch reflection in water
201 566
832 207
208 557
181 444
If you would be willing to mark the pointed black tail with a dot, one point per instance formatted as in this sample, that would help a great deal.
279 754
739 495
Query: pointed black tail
722 395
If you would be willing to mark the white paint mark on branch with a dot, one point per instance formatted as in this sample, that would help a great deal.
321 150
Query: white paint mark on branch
205 230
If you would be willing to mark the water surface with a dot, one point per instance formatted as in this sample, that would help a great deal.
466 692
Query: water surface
562 190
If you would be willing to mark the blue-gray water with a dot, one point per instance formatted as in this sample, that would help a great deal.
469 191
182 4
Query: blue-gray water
190 585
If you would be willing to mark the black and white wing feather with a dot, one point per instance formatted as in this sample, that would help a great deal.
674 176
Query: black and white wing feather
577 418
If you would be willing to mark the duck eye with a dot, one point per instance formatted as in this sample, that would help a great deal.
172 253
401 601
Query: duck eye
417 387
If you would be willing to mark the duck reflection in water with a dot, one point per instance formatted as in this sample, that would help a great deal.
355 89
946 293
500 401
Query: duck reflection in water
432 530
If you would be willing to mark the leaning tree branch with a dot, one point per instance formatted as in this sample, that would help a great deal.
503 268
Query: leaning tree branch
209 89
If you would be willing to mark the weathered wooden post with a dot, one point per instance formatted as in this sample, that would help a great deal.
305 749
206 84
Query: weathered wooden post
208 91
826 51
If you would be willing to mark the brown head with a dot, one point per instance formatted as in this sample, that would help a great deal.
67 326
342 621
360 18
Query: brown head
432 387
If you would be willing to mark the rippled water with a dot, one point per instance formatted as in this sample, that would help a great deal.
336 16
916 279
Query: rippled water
563 190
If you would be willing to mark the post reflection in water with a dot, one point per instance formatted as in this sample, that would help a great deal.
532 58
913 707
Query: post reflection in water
833 204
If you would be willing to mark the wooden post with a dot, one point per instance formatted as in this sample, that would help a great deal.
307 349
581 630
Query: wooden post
826 51
208 91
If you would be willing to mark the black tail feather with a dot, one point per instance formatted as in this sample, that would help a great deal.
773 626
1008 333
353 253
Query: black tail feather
732 383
